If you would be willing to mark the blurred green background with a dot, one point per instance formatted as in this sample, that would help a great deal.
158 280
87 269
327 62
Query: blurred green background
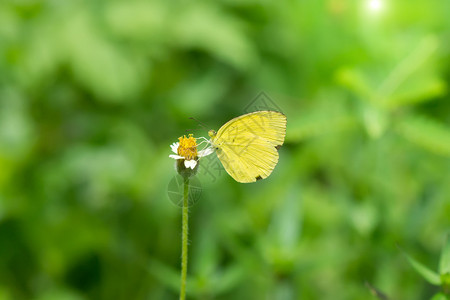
92 93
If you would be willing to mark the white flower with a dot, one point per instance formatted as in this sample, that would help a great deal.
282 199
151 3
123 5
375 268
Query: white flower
188 151
190 164
205 152
174 147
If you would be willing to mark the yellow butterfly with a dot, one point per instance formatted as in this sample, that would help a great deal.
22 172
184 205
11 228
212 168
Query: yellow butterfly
248 145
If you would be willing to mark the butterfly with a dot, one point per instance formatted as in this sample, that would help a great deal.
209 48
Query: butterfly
247 146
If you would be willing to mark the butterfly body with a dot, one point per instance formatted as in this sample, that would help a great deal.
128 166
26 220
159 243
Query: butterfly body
248 145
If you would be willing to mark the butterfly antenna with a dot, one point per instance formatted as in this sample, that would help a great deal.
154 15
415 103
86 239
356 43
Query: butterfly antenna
200 123
190 130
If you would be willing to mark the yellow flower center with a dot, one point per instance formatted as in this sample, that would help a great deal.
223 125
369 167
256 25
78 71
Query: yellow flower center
187 147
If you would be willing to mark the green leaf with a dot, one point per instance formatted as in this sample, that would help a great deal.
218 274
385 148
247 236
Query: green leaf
225 41
426 133
355 81
228 279
413 78
167 275
323 120
376 292
410 76
422 89
375 120
429 275
439 296
444 263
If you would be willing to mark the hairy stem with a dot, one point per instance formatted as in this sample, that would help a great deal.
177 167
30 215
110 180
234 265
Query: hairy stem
184 240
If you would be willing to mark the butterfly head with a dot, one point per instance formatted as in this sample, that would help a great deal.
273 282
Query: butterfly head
212 133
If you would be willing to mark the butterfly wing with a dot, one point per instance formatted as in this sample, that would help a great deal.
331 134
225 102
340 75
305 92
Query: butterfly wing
247 145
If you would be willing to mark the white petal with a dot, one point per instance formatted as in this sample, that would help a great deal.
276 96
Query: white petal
174 147
175 156
190 164
205 152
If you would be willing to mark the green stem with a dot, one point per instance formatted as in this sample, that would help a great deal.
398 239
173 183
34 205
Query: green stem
184 240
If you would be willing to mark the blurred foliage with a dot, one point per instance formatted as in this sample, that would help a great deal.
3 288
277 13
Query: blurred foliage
92 93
